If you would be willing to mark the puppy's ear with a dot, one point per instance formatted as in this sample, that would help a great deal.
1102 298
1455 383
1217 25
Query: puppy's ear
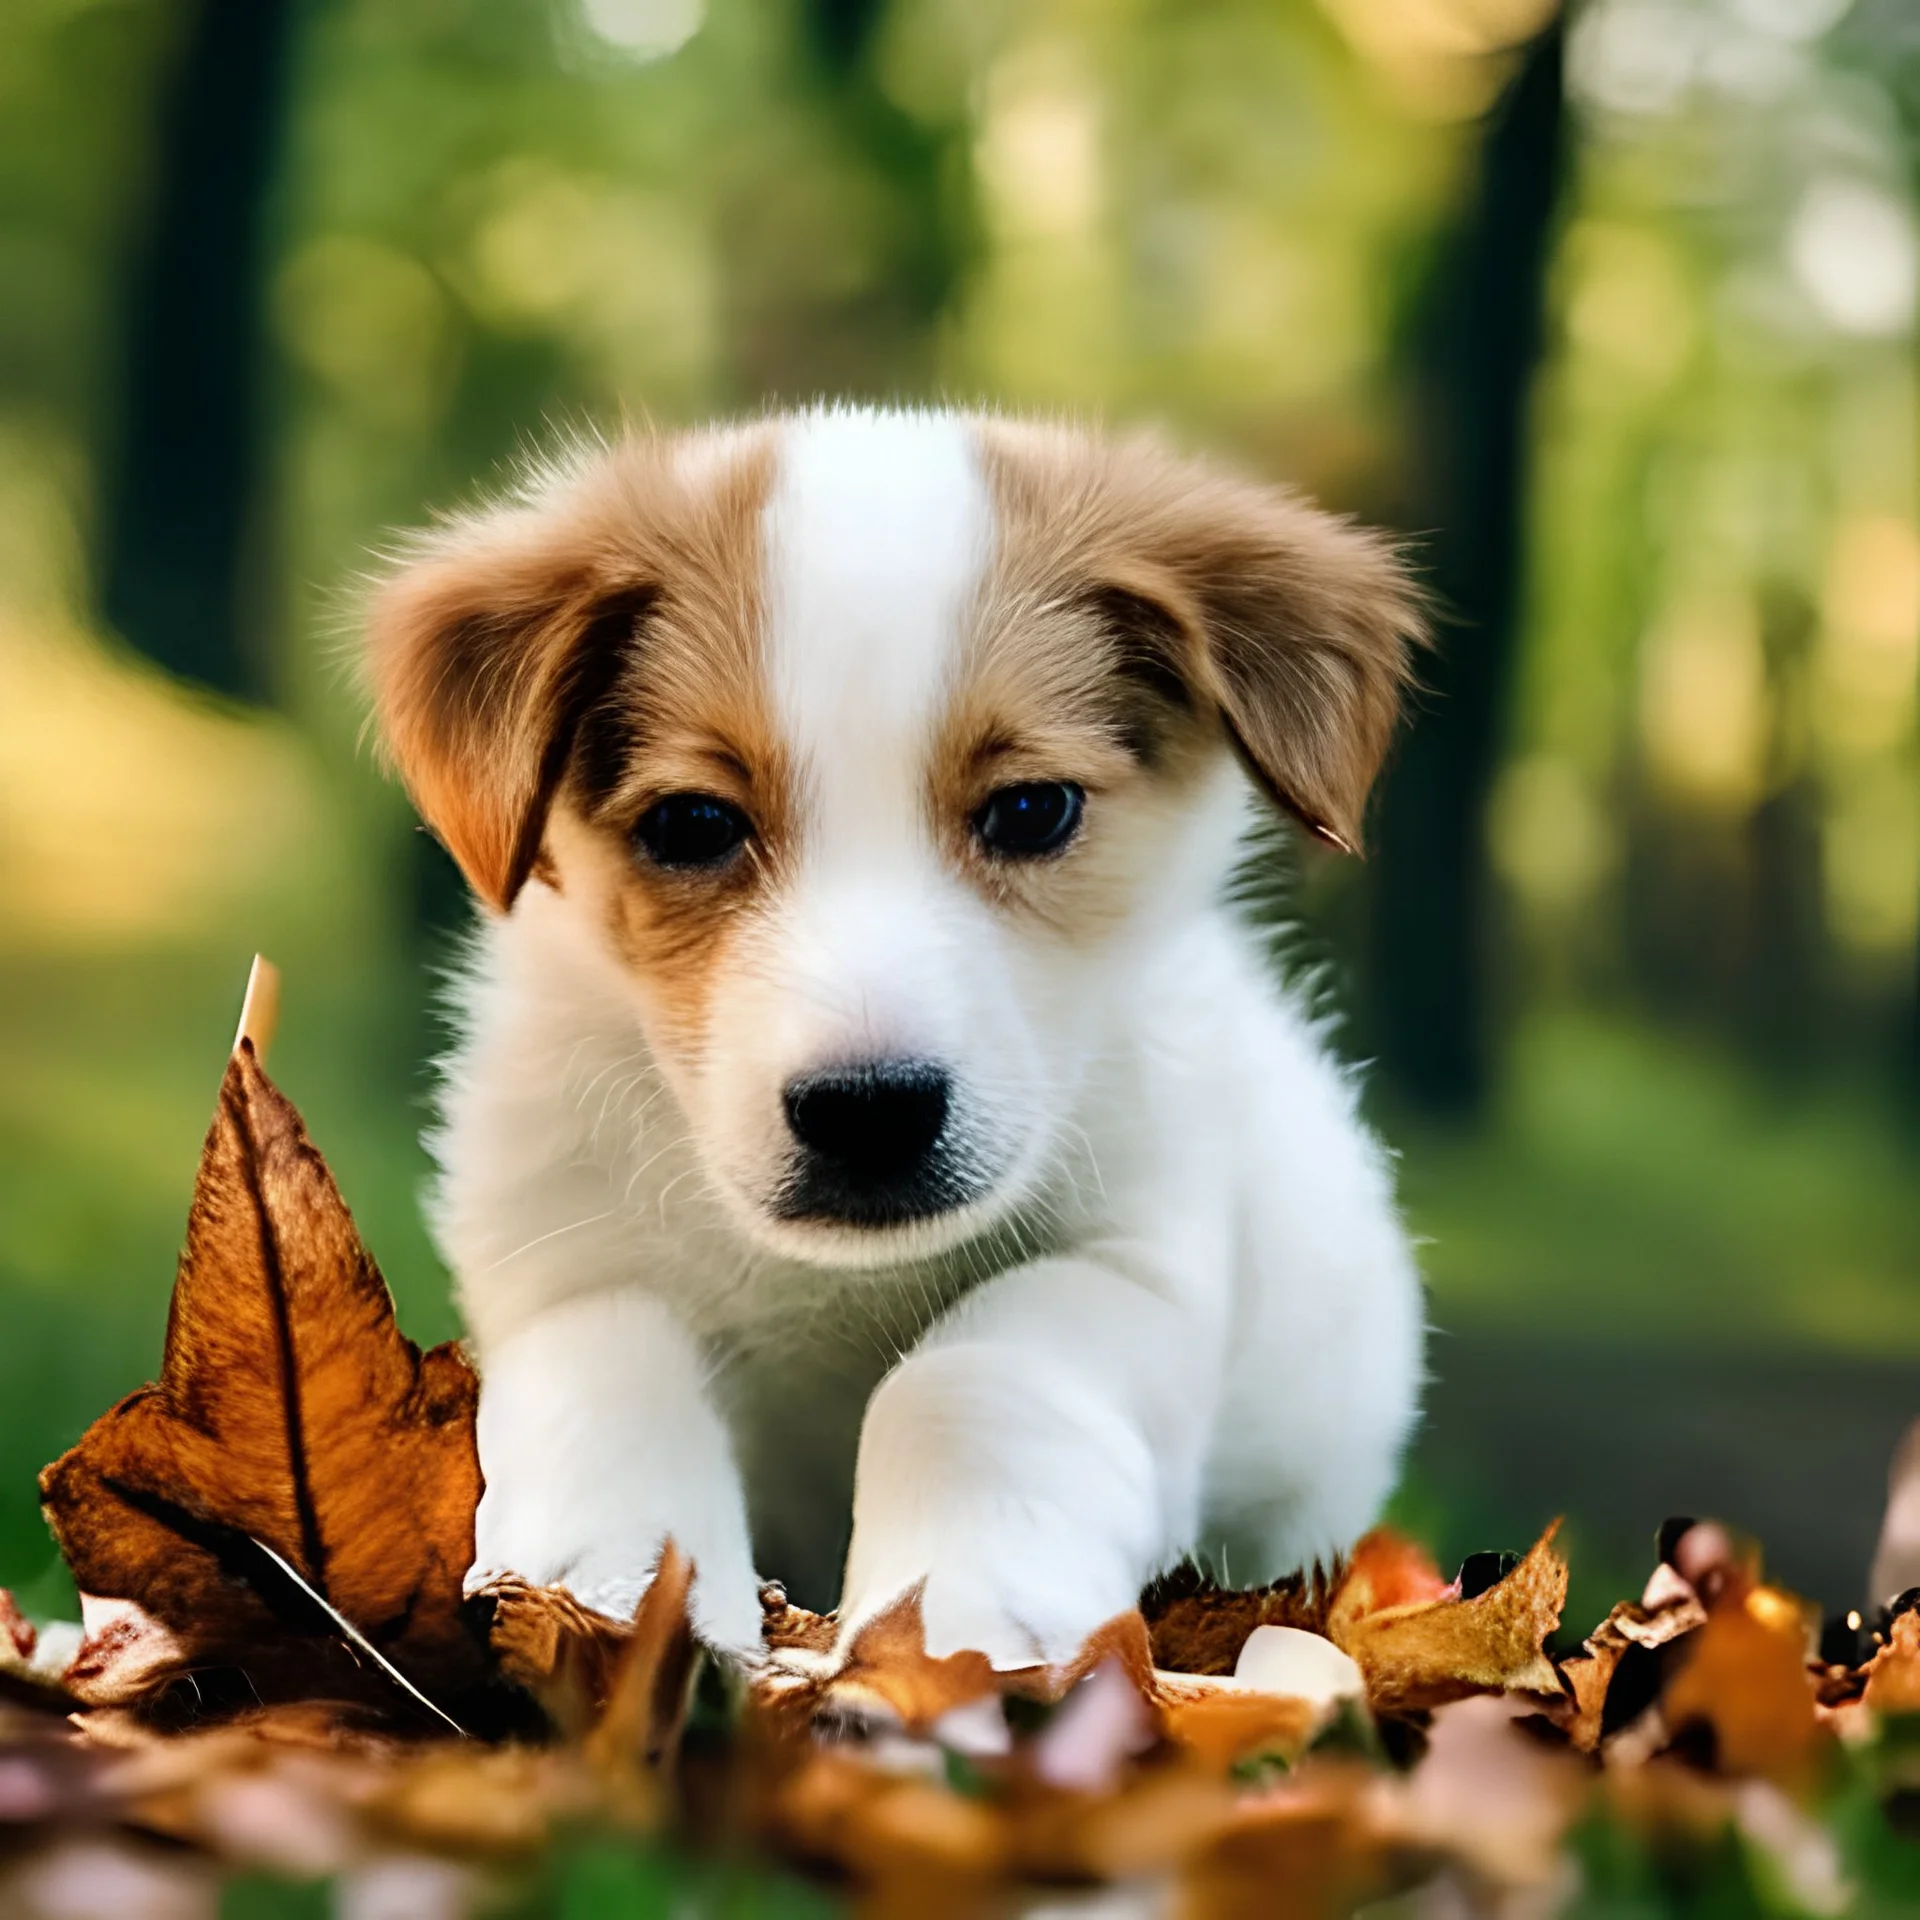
1299 629
486 649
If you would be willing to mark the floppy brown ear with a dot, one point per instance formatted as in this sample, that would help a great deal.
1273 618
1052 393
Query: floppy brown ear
1300 630
486 648
1296 628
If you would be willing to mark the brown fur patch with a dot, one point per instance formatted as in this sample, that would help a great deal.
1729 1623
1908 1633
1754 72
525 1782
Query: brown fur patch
1190 592
1048 689
576 655
690 713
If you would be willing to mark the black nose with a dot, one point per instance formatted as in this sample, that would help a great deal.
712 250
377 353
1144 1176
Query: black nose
874 1125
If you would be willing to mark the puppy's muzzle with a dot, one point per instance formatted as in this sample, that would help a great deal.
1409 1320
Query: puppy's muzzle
874 1145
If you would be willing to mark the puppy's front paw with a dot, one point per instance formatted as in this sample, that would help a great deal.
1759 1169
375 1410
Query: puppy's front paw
1020 1597
1010 1494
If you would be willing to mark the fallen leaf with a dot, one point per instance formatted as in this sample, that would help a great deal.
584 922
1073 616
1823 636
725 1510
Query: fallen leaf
561 1653
290 1419
1426 1652
785 1628
1147 1821
637 1734
1589 1709
125 1655
1746 1684
1386 1571
888 1674
481 1802
1298 1851
1893 1674
1198 1627
1224 1723
1484 1793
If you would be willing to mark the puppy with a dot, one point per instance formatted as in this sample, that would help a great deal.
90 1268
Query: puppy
874 1143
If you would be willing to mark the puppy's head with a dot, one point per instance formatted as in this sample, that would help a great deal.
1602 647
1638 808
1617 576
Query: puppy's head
873 746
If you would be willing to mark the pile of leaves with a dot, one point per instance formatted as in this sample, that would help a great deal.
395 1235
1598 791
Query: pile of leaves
277 1679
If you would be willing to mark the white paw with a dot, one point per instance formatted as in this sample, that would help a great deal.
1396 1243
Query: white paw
1020 1597
1014 1497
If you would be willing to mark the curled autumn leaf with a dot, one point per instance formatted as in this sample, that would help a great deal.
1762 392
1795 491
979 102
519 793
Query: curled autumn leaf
1746 1687
1425 1651
1634 1632
291 1503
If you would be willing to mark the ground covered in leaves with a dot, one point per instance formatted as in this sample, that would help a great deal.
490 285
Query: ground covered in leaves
278 1700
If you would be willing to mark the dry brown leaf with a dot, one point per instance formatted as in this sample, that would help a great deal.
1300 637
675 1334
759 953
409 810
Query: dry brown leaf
888 1673
1589 1675
889 1676
292 1416
1124 1642
563 1654
785 1628
1297 1851
1425 1652
1385 1571
486 1801
1223 1724
1747 1682
1198 1627
918 1845
637 1735
1893 1674
1147 1821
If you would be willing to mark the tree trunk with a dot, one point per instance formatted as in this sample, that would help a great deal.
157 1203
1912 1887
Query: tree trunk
183 477
1476 340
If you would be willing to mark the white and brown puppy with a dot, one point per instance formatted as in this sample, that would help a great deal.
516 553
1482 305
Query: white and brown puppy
869 1110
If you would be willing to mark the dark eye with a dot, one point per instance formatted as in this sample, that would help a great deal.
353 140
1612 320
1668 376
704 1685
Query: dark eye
1026 821
691 830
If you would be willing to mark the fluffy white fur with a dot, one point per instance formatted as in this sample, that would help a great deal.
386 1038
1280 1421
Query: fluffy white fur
1182 1318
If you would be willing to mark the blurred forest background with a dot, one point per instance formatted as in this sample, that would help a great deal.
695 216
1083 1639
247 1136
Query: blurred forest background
1614 313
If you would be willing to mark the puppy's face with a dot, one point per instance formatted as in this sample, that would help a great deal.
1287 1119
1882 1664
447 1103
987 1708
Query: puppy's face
873 744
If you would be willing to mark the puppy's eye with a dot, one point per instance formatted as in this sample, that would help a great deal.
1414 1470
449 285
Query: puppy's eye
1024 822
691 830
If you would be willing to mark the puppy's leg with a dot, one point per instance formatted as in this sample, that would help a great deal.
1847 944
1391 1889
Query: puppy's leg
1035 1459
597 1444
1323 1375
